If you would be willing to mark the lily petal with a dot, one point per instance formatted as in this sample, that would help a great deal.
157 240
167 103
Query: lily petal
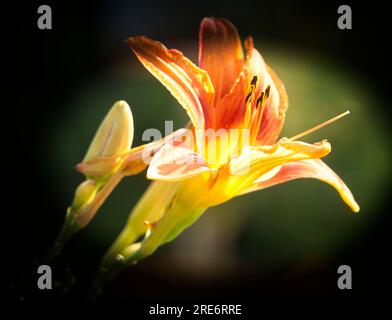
220 53
173 163
190 85
232 108
132 162
264 96
242 104
256 161
314 168
274 113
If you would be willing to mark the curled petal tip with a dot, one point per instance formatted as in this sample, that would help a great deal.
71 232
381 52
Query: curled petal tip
220 45
348 198
79 167
248 43
311 168
132 40
206 20
139 41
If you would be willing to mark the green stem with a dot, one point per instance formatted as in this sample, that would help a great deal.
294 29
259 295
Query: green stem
70 227
77 218
88 212
102 277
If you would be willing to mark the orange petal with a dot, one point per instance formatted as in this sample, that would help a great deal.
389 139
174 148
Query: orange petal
190 85
231 109
314 168
220 53
241 107
274 113
173 163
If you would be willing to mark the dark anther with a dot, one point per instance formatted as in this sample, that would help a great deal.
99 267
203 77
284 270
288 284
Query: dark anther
248 96
267 92
259 100
252 88
254 81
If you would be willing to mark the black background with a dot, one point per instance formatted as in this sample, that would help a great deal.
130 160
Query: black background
41 72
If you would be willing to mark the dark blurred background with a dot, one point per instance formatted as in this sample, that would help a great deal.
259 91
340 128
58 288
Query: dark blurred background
278 244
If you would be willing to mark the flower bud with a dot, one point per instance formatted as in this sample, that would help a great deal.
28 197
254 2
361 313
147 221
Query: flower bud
84 193
115 134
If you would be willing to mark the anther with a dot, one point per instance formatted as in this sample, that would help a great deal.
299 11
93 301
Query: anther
254 81
259 100
252 87
248 96
267 92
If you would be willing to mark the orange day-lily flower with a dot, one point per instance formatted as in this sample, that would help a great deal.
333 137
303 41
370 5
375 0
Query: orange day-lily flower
226 91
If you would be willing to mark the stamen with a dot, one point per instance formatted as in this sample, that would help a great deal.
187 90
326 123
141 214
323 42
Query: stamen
248 96
149 226
251 89
254 81
267 92
300 135
259 100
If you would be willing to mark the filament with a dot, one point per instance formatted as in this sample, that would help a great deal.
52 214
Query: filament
318 127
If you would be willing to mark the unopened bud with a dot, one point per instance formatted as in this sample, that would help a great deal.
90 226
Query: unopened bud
84 193
115 134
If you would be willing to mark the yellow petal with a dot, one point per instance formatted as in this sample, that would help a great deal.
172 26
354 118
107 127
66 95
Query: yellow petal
264 158
256 161
114 135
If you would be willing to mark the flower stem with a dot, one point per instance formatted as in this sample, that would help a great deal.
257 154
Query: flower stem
70 227
103 276
78 218
89 211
